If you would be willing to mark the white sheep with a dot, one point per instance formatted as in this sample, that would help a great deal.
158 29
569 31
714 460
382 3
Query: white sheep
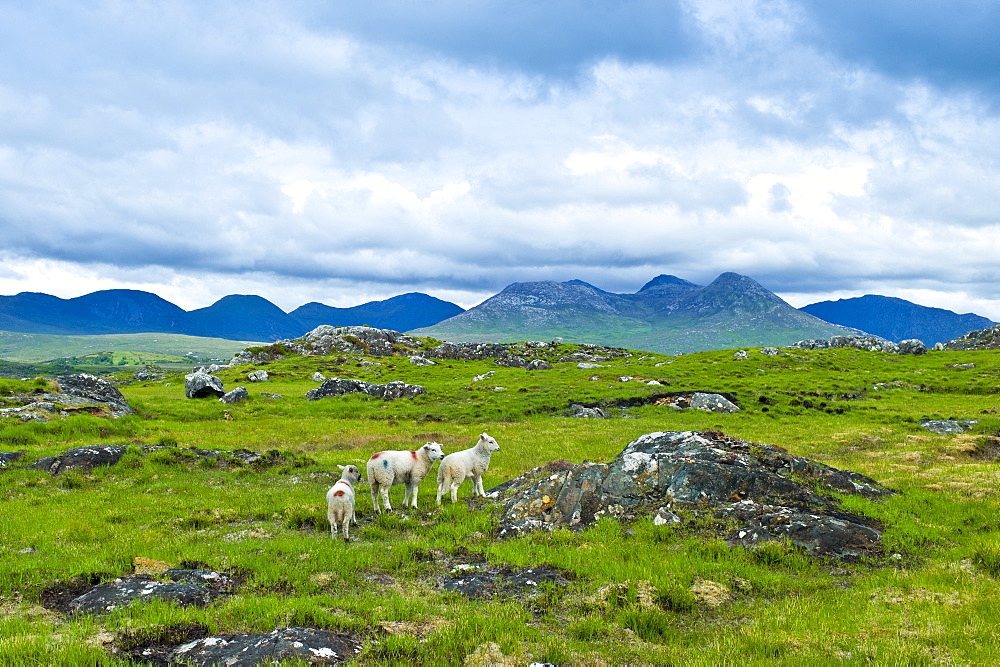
340 500
389 468
467 464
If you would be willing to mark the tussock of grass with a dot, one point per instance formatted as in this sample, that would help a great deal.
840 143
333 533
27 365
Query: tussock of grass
637 593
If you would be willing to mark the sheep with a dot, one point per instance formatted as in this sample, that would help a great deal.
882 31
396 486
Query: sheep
389 468
340 500
468 463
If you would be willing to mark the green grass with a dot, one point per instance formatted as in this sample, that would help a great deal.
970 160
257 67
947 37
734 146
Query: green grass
632 588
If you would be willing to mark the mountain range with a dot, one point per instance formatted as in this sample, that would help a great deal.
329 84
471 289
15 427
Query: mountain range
897 319
668 314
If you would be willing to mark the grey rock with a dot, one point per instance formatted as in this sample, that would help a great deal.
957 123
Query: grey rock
201 385
98 390
870 343
912 346
740 355
512 361
421 361
485 582
582 411
126 590
318 377
713 403
948 426
258 376
81 458
6 458
539 365
707 474
770 351
587 364
388 392
293 644
235 396
327 340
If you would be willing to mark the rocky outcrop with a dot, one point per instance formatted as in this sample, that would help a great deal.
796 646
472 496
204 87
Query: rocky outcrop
200 385
95 389
387 392
235 396
131 588
870 343
764 492
327 340
81 458
258 376
980 339
298 645
948 426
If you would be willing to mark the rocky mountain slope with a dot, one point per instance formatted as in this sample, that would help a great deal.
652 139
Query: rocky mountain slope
668 314
897 319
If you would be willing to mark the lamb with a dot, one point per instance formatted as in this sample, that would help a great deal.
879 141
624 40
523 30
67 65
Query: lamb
340 500
468 463
389 468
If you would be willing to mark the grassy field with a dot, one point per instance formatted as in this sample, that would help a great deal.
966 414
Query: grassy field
635 592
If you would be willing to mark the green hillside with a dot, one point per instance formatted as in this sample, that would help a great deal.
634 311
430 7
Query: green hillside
635 592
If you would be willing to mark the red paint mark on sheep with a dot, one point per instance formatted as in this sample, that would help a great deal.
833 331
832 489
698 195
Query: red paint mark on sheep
375 456
338 493
414 455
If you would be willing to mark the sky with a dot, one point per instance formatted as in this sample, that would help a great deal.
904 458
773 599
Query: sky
345 152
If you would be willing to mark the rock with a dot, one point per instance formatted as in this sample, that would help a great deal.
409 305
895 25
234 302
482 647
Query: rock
96 389
587 364
512 361
948 426
244 455
388 392
148 374
770 351
482 581
125 590
318 377
961 367
6 458
713 403
740 355
326 340
235 396
421 361
768 492
912 346
293 644
81 458
200 385
584 412
539 365
980 339
258 376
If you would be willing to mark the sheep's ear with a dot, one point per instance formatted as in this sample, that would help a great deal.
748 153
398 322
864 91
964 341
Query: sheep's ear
340 466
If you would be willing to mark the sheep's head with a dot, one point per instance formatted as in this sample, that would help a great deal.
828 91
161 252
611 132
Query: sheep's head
489 442
350 473
433 450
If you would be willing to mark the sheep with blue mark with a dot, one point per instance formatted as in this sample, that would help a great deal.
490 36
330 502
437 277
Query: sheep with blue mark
340 500
389 468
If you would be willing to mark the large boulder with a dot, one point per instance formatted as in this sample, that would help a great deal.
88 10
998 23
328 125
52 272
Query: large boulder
769 493
387 392
235 396
98 390
131 588
200 385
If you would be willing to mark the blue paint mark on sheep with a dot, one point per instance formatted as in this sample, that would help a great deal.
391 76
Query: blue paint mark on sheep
385 463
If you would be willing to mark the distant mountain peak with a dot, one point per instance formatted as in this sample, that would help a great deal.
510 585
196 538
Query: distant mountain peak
664 279
581 283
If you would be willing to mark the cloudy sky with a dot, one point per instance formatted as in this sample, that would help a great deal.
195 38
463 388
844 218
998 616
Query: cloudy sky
344 152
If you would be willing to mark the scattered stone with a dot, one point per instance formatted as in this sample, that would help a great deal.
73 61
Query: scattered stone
6 458
421 361
123 591
148 374
387 392
961 367
258 376
948 426
485 375
740 355
539 365
713 403
483 581
584 412
586 365
870 343
201 385
293 644
235 396
769 492
318 377
81 458
269 395
770 351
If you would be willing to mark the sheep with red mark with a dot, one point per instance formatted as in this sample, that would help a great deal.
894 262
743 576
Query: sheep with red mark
340 500
389 468
467 464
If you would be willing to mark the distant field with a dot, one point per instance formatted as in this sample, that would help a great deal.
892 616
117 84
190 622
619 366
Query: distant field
134 349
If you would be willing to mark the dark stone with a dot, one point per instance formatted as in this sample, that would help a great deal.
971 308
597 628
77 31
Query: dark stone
323 647
235 396
6 458
708 472
244 455
483 581
539 365
96 389
81 458
388 392
201 385
130 588
512 361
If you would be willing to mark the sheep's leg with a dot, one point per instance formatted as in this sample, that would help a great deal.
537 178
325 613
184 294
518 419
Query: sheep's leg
411 491
442 487
346 524
375 489
406 494
333 527
384 493
454 491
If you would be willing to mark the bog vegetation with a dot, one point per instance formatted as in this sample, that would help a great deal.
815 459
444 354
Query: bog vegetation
638 593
